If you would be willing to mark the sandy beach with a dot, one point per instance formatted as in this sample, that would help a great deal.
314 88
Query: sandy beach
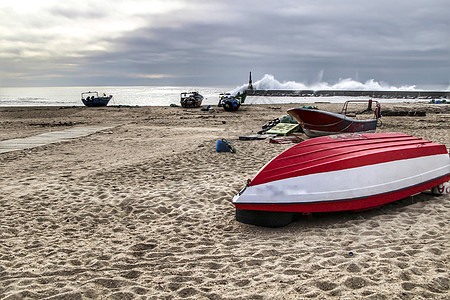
143 211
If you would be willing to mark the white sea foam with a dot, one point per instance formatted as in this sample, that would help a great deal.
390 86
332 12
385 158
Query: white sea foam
268 82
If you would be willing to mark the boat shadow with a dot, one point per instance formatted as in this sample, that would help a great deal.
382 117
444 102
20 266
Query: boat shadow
319 219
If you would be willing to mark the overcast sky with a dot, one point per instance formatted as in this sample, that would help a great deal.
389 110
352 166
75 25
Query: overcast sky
217 42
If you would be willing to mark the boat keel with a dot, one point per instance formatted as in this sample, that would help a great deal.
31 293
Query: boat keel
264 218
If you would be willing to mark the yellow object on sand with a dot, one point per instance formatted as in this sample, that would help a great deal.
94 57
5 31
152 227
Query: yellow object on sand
283 129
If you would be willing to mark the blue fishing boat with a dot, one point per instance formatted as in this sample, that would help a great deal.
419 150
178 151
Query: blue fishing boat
230 102
92 99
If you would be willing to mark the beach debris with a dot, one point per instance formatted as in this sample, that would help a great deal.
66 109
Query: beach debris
285 119
269 125
224 146
252 137
283 129
285 140
288 119
208 108
443 101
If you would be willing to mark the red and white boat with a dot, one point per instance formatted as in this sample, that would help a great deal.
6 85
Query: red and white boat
319 123
341 172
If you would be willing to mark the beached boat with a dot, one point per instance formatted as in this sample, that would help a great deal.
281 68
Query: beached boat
191 99
92 99
319 123
229 102
341 172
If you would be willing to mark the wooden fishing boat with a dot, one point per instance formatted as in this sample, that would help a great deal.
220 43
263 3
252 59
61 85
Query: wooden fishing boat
191 99
92 99
341 172
319 123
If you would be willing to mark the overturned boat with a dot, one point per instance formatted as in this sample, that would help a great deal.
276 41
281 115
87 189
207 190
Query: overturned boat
341 172
92 99
319 123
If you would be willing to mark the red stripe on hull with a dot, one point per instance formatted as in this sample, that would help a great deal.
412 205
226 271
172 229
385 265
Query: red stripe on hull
341 205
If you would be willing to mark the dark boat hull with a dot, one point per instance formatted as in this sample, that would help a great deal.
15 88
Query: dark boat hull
97 102
320 123
191 103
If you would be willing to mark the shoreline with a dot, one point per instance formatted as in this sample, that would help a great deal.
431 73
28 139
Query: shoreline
143 210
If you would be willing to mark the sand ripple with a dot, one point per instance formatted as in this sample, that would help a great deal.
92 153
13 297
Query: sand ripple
153 219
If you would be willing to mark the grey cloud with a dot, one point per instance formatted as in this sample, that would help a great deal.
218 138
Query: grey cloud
397 42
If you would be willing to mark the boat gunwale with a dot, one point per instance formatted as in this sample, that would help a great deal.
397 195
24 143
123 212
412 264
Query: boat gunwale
339 116
352 145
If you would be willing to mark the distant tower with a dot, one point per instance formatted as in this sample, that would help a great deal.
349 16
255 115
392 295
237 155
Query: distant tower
250 85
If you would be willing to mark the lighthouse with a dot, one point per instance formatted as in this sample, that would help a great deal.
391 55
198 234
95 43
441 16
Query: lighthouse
250 85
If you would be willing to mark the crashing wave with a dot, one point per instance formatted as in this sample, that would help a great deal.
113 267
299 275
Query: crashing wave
268 82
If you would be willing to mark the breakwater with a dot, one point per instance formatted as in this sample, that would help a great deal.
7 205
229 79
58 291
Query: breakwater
352 93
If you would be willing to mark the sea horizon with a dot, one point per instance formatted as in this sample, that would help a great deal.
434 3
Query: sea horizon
153 95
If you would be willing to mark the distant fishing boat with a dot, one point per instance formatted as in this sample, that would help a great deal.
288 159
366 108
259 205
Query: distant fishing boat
319 123
341 172
92 99
191 99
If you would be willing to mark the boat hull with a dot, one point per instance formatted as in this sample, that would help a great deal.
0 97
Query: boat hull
320 123
346 172
191 103
191 100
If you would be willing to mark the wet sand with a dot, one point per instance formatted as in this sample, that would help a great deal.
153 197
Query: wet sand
143 211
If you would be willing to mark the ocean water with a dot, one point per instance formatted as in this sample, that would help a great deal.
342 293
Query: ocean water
146 96
166 95
129 95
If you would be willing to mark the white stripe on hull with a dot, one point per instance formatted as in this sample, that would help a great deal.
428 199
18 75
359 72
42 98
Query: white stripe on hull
348 183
